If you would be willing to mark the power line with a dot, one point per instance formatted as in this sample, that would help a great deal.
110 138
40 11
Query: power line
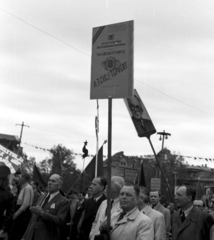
176 99
90 56
45 32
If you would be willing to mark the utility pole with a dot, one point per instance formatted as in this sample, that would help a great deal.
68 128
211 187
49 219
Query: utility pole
22 125
164 135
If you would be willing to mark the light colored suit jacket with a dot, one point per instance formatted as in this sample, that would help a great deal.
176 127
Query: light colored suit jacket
158 222
167 215
135 226
101 217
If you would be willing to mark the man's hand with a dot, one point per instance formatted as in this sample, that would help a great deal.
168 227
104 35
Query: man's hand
37 210
105 228
15 215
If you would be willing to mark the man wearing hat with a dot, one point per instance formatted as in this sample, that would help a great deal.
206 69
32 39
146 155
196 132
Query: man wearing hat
6 202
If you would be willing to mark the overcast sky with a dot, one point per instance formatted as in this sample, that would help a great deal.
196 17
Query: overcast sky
45 62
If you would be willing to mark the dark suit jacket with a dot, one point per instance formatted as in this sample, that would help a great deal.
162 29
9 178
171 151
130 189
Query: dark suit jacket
47 227
196 226
90 208
144 127
6 203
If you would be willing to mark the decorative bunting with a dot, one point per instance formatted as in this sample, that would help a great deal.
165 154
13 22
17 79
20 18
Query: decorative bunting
138 156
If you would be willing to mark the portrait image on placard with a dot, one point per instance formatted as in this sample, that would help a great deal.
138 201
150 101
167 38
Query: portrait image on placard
139 115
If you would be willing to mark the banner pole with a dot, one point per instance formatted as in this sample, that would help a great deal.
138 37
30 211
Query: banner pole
162 174
109 162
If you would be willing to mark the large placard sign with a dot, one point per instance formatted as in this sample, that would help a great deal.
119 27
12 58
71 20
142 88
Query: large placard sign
112 61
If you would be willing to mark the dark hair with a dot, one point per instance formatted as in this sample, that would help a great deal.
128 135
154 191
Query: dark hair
190 191
103 181
26 176
136 188
4 183
145 193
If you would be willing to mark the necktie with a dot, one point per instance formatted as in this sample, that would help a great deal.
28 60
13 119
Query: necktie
46 201
122 214
182 215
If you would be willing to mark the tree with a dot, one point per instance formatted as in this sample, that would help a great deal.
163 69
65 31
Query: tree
62 159
61 162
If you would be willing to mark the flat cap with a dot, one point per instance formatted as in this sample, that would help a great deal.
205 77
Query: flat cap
4 171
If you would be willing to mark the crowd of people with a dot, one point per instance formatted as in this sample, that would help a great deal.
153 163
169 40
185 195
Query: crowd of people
27 213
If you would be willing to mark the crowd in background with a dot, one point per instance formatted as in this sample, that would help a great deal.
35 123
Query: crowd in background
29 212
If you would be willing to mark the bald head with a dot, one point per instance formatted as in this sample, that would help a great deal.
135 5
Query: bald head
117 183
54 183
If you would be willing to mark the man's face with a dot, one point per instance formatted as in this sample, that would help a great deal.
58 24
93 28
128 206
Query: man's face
128 198
154 198
181 198
80 196
95 187
136 108
54 183
113 188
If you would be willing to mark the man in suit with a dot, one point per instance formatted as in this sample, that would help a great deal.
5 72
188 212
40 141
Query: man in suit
117 183
91 206
156 217
49 214
189 222
156 205
130 223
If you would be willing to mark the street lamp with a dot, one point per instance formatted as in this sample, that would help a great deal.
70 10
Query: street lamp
164 135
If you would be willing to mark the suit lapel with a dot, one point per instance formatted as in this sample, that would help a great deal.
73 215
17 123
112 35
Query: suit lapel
93 206
41 200
192 217
53 200
123 221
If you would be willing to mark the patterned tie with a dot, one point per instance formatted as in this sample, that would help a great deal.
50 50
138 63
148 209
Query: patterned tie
122 214
46 201
182 215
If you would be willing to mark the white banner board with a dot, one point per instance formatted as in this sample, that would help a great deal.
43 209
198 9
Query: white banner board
112 61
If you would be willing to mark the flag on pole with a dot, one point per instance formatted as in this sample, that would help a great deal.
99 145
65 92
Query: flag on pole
141 180
37 177
90 169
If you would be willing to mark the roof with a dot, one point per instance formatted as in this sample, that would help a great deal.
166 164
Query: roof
9 137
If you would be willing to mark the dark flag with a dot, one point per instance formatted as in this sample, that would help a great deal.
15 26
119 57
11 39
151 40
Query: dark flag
141 180
90 169
37 177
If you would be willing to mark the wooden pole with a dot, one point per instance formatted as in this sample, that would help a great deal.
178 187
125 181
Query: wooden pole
109 162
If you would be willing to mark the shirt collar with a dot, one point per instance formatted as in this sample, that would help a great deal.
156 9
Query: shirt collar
52 195
96 199
146 209
188 210
130 212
